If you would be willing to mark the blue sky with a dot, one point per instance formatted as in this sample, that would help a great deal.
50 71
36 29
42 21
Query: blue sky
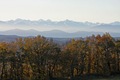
79 10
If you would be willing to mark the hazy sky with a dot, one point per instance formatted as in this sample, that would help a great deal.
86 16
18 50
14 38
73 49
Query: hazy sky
78 10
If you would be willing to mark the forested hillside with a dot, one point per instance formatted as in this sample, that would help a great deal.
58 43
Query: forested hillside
38 58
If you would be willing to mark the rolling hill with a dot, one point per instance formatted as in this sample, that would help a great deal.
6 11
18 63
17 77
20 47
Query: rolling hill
53 33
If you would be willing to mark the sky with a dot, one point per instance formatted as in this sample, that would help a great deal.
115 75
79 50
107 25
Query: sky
104 11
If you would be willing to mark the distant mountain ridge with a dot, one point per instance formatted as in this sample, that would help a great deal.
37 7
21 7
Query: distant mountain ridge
47 23
66 25
57 23
53 33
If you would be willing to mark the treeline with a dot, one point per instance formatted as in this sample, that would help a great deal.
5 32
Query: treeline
41 59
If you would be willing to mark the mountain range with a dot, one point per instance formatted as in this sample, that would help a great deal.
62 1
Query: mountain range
66 25
57 29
